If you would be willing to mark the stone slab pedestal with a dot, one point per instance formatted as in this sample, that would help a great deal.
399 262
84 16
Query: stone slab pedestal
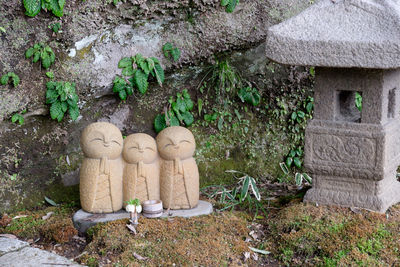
84 220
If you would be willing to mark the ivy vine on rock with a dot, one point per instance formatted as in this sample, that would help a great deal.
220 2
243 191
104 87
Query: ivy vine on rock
61 97
249 95
229 5
33 7
177 113
10 77
42 52
171 52
136 71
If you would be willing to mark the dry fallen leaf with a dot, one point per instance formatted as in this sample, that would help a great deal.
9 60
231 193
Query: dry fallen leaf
48 215
138 257
131 228
254 256
246 255
20 216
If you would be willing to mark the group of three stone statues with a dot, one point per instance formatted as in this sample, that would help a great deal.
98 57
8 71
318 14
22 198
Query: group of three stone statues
115 170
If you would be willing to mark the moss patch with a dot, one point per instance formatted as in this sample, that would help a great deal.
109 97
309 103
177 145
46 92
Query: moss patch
30 224
303 234
207 240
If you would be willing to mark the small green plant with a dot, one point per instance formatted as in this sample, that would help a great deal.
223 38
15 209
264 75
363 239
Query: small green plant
229 5
136 71
298 177
244 193
50 75
249 95
171 52
33 7
61 97
177 113
10 76
18 118
42 52
358 101
294 158
135 202
211 117
55 27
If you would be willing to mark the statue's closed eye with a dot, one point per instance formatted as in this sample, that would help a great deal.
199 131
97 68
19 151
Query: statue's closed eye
150 148
184 141
116 142
97 139
135 147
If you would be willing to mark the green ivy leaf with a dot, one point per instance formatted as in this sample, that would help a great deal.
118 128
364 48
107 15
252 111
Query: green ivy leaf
29 52
187 118
167 48
159 123
224 2
32 7
150 64
46 61
230 7
50 74
289 161
128 71
125 62
176 54
73 112
4 79
180 104
55 6
159 74
297 162
36 57
122 94
298 178
64 106
56 111
141 81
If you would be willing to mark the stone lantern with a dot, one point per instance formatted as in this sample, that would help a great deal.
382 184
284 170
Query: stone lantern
355 46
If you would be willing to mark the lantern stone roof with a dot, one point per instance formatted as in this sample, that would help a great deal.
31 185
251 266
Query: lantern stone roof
340 33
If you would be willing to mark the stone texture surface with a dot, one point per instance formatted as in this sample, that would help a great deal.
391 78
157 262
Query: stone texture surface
179 175
34 257
9 244
354 162
102 168
142 170
340 33
83 220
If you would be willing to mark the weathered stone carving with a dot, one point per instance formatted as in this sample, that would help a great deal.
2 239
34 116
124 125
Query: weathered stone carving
353 156
142 171
102 167
179 176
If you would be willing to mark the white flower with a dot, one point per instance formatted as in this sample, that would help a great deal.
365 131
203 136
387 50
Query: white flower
131 208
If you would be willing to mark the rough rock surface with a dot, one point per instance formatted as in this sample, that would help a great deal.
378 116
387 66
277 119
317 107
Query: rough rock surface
14 253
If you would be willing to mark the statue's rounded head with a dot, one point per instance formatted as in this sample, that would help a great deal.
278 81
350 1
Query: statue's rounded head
101 139
140 147
176 142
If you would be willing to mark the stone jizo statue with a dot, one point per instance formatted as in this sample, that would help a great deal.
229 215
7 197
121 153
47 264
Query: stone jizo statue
114 171
102 168
142 171
179 175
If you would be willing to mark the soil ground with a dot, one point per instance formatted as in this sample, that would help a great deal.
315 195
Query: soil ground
293 232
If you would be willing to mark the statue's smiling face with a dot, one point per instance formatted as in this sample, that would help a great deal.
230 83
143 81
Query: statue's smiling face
140 147
176 142
102 139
